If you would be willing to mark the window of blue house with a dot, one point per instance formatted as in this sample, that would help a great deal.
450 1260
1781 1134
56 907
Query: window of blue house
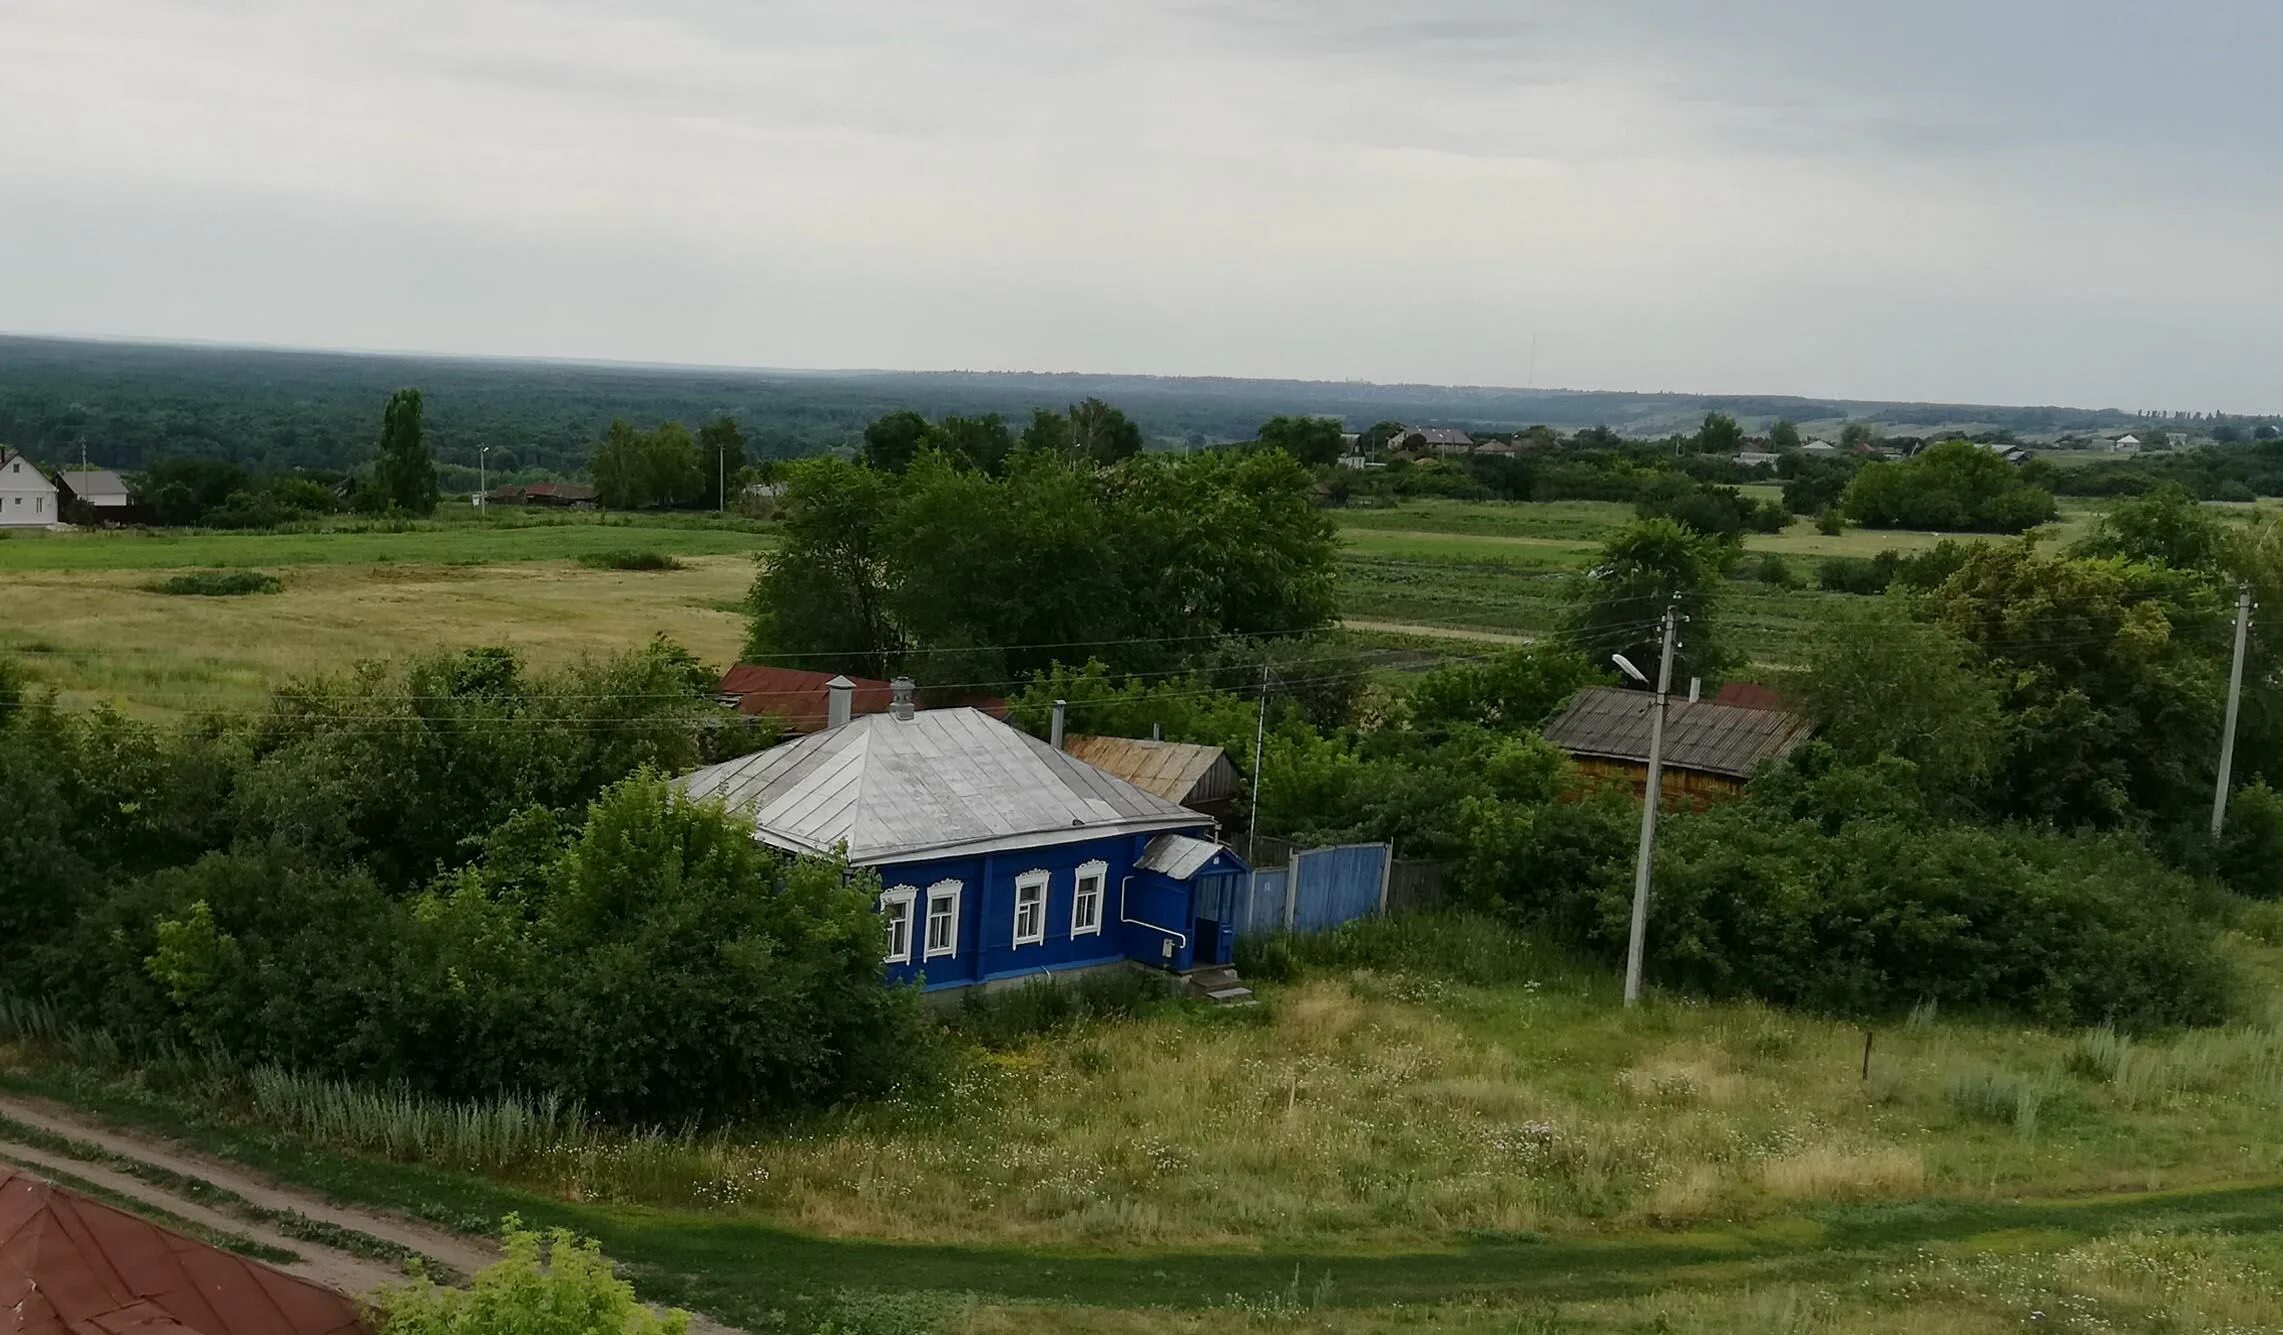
942 919
896 923
1030 908
1086 901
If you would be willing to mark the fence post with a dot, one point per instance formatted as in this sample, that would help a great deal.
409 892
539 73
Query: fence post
1291 888
1386 873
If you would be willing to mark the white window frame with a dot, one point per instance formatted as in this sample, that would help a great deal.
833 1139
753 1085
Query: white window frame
943 892
900 897
1099 873
1042 882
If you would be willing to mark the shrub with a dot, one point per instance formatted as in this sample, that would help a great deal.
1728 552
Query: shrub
2098 1054
2251 849
1774 571
551 1284
629 560
1831 523
1955 485
217 584
1867 575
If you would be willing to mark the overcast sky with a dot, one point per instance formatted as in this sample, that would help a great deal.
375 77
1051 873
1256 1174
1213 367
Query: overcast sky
2075 201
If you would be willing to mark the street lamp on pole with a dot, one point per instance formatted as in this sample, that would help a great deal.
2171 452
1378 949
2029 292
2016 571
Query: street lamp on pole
483 480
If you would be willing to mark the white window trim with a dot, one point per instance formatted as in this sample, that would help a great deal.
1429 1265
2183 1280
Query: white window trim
943 890
906 896
1100 872
1043 882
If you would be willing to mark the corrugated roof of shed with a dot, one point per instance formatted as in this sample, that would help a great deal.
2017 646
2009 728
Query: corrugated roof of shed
1175 771
1177 855
942 781
72 1266
1610 724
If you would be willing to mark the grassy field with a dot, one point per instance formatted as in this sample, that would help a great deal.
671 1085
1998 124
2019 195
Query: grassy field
98 635
1439 1126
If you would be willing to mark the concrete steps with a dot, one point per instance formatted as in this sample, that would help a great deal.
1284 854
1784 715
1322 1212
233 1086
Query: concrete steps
1220 985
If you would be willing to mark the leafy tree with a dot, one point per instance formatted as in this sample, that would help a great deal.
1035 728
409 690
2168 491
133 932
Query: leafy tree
2104 667
1952 486
1102 434
2165 526
552 1284
1719 435
1783 435
1311 440
182 491
2268 431
641 470
1857 434
981 443
1623 599
721 457
827 594
405 476
1048 434
1512 691
893 441
1881 682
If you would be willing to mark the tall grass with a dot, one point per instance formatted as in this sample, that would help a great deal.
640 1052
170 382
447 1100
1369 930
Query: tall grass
1988 1097
508 1131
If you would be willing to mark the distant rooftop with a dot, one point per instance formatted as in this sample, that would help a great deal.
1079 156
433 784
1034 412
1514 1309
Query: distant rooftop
1605 723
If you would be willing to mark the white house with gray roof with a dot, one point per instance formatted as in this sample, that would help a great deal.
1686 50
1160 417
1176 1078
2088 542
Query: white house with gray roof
27 497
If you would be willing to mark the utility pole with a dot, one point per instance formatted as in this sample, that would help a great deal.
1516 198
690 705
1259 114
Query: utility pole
2235 704
483 481
1635 942
1259 742
721 479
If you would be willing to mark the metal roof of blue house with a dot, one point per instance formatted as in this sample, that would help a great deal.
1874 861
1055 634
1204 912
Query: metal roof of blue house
942 782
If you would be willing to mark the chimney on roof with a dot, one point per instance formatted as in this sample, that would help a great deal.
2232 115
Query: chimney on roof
1695 688
840 701
900 692
1054 735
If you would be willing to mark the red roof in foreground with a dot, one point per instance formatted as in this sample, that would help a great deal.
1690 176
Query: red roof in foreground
801 698
69 1266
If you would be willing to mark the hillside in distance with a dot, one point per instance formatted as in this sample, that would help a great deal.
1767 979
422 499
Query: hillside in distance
130 403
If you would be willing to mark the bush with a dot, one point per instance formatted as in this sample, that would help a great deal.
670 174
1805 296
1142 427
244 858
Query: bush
552 1284
1774 571
1838 892
217 584
2251 849
1831 523
1956 485
1866 575
629 560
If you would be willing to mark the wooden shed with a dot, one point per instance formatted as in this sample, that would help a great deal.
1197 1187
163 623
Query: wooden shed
1201 778
1710 748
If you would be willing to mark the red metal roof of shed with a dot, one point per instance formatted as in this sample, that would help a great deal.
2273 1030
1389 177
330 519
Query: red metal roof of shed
800 697
71 1266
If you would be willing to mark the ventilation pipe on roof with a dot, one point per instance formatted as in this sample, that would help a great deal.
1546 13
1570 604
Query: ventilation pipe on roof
840 701
1157 732
900 693
1054 734
1695 688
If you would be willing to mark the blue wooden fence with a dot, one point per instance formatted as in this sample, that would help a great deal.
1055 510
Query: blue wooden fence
1318 890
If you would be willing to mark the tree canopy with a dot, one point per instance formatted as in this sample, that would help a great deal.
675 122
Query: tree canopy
405 476
1952 487
961 576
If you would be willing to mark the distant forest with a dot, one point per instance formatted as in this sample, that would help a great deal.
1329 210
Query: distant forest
130 403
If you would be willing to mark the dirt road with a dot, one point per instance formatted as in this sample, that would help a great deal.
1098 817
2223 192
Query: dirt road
331 1266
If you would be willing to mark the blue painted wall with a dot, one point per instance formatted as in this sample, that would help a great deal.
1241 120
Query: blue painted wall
987 912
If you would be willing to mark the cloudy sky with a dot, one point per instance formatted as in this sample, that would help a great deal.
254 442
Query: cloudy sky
2075 201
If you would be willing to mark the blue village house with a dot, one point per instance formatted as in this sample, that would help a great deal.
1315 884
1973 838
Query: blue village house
999 856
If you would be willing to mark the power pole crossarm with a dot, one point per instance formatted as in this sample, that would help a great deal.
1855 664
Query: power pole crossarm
1637 939
2235 706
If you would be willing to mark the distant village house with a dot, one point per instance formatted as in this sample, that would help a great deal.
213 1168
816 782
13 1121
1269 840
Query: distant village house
27 498
1711 746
